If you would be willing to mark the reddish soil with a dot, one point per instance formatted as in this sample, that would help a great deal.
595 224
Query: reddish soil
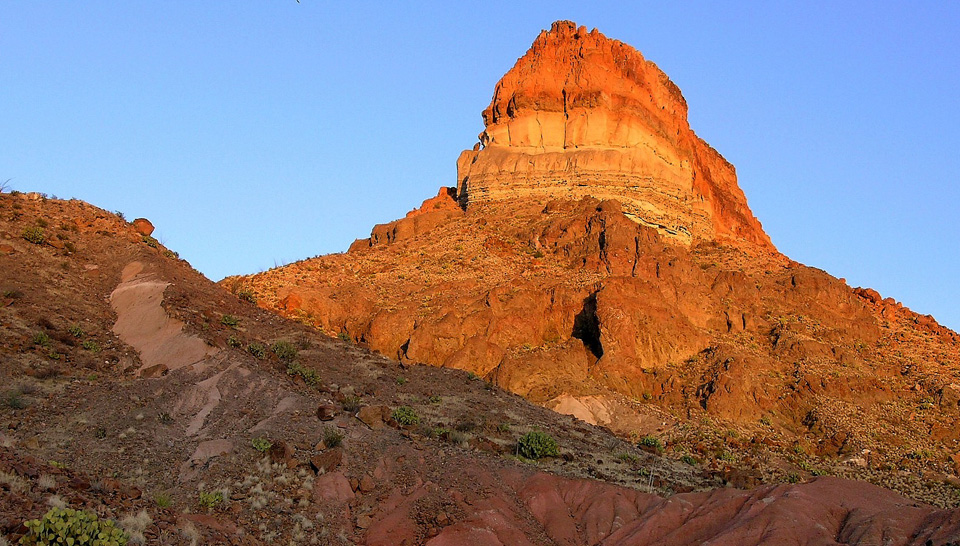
84 425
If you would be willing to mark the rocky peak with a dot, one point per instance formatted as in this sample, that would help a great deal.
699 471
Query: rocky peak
584 115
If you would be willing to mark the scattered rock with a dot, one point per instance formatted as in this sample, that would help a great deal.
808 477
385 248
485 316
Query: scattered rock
332 487
326 412
950 396
327 461
143 226
374 416
367 484
282 453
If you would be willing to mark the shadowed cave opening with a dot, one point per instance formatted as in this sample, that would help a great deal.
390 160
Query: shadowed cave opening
586 326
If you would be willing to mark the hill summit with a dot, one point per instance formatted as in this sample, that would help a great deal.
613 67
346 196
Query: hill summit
583 115
597 258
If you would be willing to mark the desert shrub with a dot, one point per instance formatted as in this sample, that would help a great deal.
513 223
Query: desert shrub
628 458
229 320
261 444
91 346
120 215
41 339
332 437
34 234
309 375
284 350
76 331
405 416
135 525
401 381
258 350
351 403
210 499
74 527
651 443
247 294
163 500
689 459
537 444
150 241
343 336
726 456
14 400
234 341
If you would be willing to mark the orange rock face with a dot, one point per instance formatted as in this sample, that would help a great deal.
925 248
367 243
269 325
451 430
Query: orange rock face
583 115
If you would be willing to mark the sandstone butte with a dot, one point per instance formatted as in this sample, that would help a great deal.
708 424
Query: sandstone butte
599 259
583 115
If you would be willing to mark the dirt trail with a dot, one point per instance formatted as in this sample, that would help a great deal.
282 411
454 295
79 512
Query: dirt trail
144 324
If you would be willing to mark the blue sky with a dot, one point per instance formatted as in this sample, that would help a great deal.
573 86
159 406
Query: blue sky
258 133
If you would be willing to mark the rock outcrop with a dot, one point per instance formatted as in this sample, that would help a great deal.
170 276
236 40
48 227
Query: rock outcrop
562 277
583 115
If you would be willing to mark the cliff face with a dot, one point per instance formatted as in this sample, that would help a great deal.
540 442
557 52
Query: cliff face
583 115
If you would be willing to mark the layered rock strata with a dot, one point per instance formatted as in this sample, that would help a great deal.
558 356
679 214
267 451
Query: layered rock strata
583 115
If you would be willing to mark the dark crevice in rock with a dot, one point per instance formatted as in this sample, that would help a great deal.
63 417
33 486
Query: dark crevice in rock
586 326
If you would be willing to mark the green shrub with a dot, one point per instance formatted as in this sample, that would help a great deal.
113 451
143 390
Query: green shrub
163 500
284 350
211 499
258 350
628 458
726 456
234 341
41 339
150 241
76 331
405 416
651 443
332 437
310 376
229 320
343 336
261 444
689 459
72 527
537 444
34 235
91 346
247 294
351 403
15 400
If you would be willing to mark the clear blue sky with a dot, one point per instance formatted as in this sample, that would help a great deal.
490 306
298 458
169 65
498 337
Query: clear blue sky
255 133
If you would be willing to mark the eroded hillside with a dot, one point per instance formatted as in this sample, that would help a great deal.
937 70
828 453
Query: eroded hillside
599 259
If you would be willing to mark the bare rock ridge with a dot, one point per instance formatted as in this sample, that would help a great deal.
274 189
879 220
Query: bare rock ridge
558 270
583 115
